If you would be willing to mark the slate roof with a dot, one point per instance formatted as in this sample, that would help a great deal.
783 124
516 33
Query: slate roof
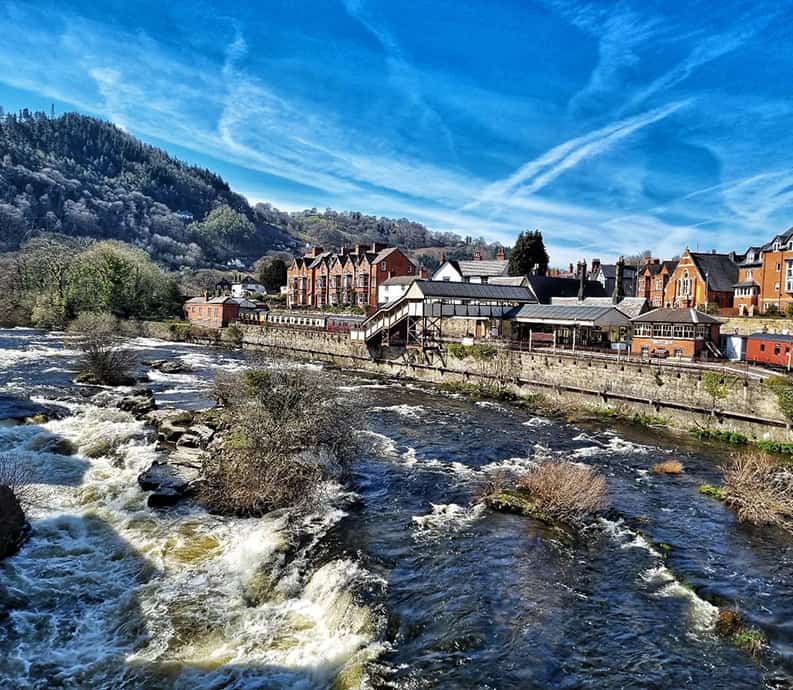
399 280
630 306
547 287
563 313
443 288
665 315
610 271
721 270
746 283
655 269
485 267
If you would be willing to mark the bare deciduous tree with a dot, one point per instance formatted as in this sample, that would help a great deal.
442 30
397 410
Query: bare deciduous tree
105 358
283 435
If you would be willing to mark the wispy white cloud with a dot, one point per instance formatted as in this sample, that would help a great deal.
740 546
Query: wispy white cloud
239 113
537 173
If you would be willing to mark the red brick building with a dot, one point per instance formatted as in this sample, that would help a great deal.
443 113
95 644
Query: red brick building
653 279
702 280
212 312
682 333
321 278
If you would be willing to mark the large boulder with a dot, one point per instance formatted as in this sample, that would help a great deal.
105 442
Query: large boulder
139 404
172 479
14 527
167 366
197 436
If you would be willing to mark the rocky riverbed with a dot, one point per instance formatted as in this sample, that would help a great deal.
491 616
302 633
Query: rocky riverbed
402 579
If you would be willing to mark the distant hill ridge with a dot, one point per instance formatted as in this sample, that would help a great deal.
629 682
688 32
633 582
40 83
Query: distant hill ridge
85 177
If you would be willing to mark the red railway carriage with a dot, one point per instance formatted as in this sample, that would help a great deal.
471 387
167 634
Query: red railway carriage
775 349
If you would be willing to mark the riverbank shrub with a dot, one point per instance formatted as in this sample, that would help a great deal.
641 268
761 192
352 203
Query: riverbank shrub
105 359
759 490
783 389
566 492
732 437
284 434
480 353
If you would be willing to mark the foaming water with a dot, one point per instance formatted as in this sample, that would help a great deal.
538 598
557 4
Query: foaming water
110 593
402 579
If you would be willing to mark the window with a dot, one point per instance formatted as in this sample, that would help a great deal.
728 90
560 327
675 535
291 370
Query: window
789 275
410 268
762 347
684 285
678 352
749 274
778 267
777 349
383 265
776 287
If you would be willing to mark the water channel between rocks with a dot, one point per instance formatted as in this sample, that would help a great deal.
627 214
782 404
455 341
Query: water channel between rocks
399 580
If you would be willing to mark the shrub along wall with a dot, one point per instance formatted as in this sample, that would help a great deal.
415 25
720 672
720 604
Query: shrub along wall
684 397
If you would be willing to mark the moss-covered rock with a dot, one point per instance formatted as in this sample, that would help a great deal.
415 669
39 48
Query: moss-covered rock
520 503
716 492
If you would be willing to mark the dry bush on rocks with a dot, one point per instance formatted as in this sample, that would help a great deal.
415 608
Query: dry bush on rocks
566 492
105 359
284 434
668 467
760 490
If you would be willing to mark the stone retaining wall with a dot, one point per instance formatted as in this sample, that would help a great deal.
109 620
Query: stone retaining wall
677 394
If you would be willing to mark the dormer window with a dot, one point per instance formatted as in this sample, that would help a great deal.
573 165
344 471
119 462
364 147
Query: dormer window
776 246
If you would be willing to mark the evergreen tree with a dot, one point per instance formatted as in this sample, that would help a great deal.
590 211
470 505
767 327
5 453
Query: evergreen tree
528 255
273 275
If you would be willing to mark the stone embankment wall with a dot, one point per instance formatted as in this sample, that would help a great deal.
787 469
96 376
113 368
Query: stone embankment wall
745 325
677 394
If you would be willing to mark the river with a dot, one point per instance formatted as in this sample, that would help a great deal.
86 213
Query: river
399 580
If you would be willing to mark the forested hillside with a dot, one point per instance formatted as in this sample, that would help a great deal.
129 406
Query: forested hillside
84 177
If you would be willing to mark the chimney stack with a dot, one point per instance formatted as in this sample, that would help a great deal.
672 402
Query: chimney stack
581 279
619 293
500 254
477 254
595 265
571 268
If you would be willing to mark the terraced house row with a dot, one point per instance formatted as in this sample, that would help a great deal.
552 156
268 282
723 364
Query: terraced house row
322 278
758 281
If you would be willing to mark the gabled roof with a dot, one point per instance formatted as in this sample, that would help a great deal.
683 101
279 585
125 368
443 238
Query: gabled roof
564 314
485 267
322 258
656 268
719 269
666 315
547 287
384 254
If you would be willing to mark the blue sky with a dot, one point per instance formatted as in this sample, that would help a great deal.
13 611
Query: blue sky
613 127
